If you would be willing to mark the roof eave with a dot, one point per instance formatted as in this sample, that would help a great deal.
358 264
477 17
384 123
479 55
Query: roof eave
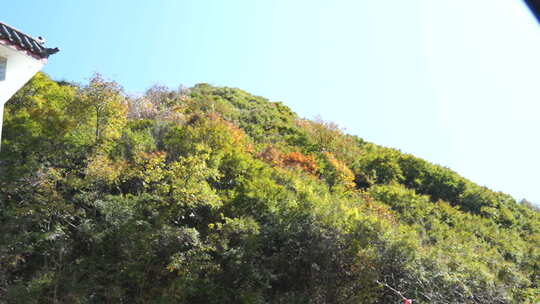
24 42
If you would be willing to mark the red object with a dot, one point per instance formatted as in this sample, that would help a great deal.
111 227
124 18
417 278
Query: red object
407 301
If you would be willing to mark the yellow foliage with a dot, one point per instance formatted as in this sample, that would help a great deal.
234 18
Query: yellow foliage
238 135
101 168
338 173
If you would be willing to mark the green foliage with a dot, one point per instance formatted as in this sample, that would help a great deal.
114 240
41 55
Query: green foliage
212 195
107 110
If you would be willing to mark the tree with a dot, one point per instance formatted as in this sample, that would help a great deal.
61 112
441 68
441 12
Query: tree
108 107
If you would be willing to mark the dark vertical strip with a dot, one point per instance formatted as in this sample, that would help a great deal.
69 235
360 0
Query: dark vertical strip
534 5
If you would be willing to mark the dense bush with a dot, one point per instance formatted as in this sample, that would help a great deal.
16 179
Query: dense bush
212 195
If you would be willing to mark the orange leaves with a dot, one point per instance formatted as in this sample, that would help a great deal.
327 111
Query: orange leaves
299 160
289 160
237 135
337 173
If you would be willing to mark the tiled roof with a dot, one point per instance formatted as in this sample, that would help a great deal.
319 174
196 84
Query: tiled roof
22 41
534 5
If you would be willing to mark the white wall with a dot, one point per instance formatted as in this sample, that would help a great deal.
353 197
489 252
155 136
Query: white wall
20 68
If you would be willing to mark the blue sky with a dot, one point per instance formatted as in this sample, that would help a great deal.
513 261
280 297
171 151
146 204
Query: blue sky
452 81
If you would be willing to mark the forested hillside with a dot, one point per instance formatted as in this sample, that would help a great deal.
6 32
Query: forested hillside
213 195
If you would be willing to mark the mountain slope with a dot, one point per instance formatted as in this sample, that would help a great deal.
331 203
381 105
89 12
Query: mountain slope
213 195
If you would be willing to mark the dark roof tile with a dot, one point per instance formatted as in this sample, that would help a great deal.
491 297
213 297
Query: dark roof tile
25 42
534 5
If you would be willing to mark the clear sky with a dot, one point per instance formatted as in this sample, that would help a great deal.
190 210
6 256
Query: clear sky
453 81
